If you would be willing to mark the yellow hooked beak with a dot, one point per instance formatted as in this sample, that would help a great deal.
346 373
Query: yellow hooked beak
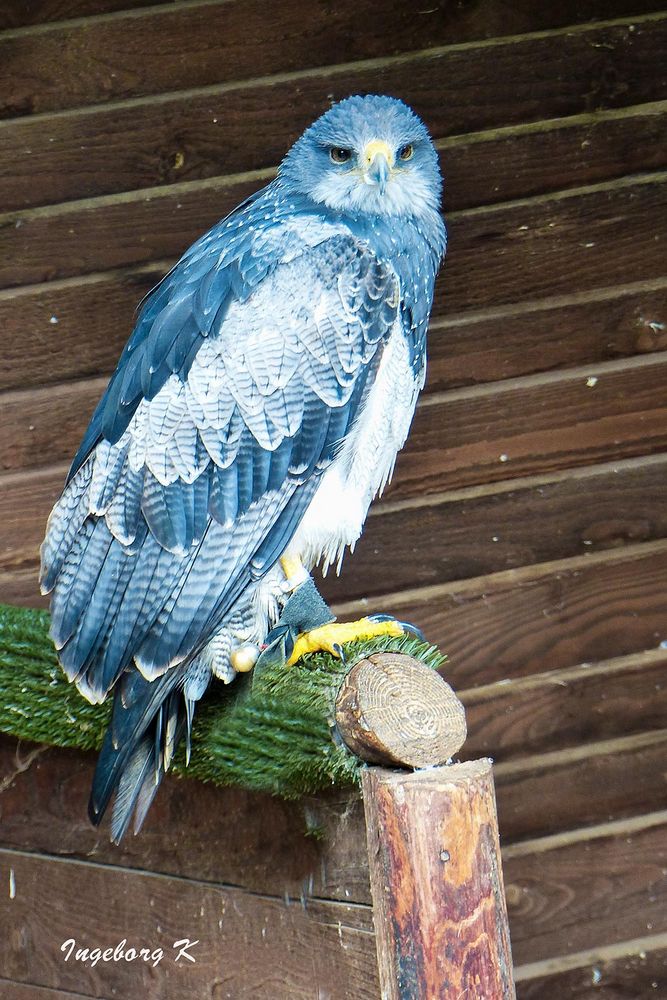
377 162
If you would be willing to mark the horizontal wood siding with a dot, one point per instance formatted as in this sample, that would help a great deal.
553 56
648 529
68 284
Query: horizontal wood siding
526 527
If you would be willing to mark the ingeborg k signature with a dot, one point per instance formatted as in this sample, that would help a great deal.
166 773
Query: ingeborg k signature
122 953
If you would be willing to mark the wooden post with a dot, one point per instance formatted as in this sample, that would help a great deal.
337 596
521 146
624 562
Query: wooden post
434 855
436 880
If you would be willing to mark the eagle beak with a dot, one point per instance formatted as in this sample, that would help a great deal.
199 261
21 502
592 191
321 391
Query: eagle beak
378 160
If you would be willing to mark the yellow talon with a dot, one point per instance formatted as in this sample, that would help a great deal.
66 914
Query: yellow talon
291 565
294 570
328 637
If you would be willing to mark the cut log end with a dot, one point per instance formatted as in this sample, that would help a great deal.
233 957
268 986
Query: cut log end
393 709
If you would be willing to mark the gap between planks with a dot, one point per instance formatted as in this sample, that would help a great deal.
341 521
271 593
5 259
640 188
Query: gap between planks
231 887
583 751
170 191
617 665
599 369
159 268
88 20
551 124
645 659
170 7
432 499
599 831
504 580
581 959
513 485
379 62
616 184
436 398
471 316
522 973
525 574
470 139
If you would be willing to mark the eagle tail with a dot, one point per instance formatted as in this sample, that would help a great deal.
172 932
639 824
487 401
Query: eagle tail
148 720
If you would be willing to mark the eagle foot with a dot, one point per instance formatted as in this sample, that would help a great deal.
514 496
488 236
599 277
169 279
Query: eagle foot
307 625
332 637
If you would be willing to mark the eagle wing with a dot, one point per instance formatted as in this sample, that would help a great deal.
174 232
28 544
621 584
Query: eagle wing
244 373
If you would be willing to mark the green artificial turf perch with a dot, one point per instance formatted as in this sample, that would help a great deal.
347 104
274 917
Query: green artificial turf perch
268 732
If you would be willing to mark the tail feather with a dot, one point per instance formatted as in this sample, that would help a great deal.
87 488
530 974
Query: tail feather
148 763
144 800
140 769
136 728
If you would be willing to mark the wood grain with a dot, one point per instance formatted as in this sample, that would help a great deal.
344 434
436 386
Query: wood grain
23 13
513 624
546 617
436 881
582 786
20 588
633 975
69 329
586 893
478 20
247 946
95 316
551 246
583 329
26 991
449 538
111 59
100 152
481 532
458 439
562 709
569 897
484 435
264 842
312 847
527 160
120 58
551 145
393 710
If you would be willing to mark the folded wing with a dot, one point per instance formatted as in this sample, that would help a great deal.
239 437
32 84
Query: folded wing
244 373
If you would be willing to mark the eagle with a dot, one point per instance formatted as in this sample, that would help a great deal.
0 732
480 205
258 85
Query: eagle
255 412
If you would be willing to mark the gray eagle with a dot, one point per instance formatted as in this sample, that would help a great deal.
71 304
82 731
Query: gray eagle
256 410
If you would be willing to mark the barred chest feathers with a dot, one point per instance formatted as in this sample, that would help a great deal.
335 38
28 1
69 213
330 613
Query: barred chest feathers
365 462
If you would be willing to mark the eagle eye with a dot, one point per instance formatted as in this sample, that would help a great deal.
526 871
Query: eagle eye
406 152
339 154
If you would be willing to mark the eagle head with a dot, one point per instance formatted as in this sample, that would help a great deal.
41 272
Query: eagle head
367 155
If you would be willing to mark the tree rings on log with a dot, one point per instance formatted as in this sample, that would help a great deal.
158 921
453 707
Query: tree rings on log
393 709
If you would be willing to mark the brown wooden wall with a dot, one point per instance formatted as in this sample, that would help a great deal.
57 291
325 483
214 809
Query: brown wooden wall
526 529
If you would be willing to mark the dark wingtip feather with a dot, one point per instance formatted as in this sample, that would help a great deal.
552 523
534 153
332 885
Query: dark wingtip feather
141 738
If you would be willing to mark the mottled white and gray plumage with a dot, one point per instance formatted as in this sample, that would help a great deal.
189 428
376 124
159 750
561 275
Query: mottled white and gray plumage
257 409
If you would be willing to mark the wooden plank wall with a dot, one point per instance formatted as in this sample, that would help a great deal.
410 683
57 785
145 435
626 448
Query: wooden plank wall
526 528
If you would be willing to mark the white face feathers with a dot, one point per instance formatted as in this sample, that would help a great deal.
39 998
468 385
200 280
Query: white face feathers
367 155
378 181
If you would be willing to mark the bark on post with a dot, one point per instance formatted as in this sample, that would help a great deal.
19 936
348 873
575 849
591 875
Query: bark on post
438 899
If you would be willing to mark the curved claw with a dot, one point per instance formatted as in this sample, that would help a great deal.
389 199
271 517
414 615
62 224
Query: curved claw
340 652
406 626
